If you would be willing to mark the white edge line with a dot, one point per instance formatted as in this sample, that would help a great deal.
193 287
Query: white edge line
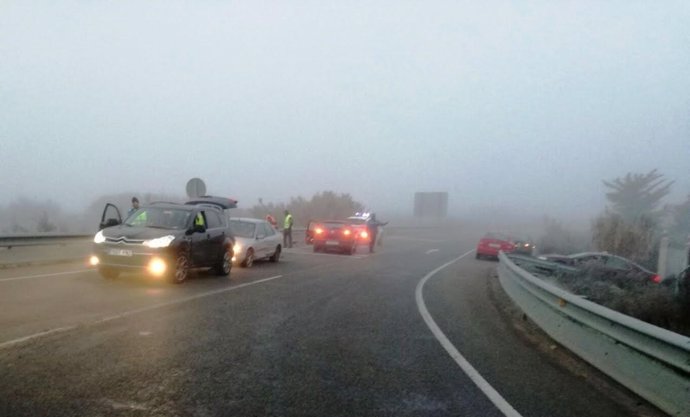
185 299
46 275
466 367
137 311
36 335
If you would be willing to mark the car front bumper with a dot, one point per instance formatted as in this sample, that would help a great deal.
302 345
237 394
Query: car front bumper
134 258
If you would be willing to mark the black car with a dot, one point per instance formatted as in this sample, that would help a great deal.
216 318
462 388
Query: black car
523 247
166 239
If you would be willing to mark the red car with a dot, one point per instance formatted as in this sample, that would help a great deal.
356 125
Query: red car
334 235
492 243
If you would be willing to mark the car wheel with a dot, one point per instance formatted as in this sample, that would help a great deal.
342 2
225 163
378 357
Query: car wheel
108 273
276 255
249 259
223 269
477 256
181 271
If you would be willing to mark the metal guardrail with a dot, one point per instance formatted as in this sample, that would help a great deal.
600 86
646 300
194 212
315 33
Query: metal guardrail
648 360
39 240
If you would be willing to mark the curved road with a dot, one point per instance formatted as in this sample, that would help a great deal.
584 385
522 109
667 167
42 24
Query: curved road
314 335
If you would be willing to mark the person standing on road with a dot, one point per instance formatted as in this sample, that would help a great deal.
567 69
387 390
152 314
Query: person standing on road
373 228
287 230
135 206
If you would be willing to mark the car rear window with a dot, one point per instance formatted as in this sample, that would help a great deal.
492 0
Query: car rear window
333 225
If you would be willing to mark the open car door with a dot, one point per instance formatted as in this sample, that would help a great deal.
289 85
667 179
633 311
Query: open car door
110 217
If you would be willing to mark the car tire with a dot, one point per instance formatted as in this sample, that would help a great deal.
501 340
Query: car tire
181 271
477 256
108 273
248 259
276 255
225 265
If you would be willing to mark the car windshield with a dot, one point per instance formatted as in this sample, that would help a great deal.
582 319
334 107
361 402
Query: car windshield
157 217
242 229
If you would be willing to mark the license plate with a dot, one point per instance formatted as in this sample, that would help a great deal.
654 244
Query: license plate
332 242
494 245
120 252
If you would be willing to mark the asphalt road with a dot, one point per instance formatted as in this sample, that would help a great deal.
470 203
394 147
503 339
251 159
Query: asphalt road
313 335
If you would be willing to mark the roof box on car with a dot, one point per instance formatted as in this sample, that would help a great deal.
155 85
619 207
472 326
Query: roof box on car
222 202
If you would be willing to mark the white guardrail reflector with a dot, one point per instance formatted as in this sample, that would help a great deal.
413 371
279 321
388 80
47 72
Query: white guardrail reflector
648 360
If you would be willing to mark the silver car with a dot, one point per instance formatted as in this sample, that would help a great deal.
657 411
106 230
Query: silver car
254 239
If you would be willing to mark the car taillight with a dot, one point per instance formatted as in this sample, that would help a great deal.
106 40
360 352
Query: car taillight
364 234
347 232
318 230
656 279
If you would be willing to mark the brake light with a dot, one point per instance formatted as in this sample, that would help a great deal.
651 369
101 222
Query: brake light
364 234
318 230
656 279
347 232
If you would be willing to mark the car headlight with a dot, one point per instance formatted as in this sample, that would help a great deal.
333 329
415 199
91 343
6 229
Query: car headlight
99 238
161 242
237 249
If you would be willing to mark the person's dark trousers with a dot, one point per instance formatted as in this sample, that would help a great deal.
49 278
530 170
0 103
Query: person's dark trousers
372 242
287 238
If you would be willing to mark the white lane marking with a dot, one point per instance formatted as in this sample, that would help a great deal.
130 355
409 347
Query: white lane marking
52 274
36 335
139 310
145 333
466 367
185 299
430 251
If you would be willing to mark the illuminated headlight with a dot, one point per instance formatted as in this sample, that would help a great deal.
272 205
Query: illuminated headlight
237 248
93 260
157 267
99 238
161 242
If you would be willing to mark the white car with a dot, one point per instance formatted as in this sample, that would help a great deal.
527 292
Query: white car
359 222
254 239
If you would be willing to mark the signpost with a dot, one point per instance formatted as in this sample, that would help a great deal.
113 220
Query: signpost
196 188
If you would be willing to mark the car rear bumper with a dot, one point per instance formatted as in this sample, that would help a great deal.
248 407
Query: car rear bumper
339 244
487 251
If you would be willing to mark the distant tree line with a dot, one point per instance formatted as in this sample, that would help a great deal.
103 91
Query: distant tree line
636 219
631 225
322 205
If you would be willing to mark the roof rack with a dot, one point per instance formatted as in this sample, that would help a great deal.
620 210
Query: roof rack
219 202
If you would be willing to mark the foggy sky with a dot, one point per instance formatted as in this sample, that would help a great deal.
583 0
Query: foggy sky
526 106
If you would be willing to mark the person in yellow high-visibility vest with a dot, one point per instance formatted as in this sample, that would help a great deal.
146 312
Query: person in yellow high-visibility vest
199 220
287 230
